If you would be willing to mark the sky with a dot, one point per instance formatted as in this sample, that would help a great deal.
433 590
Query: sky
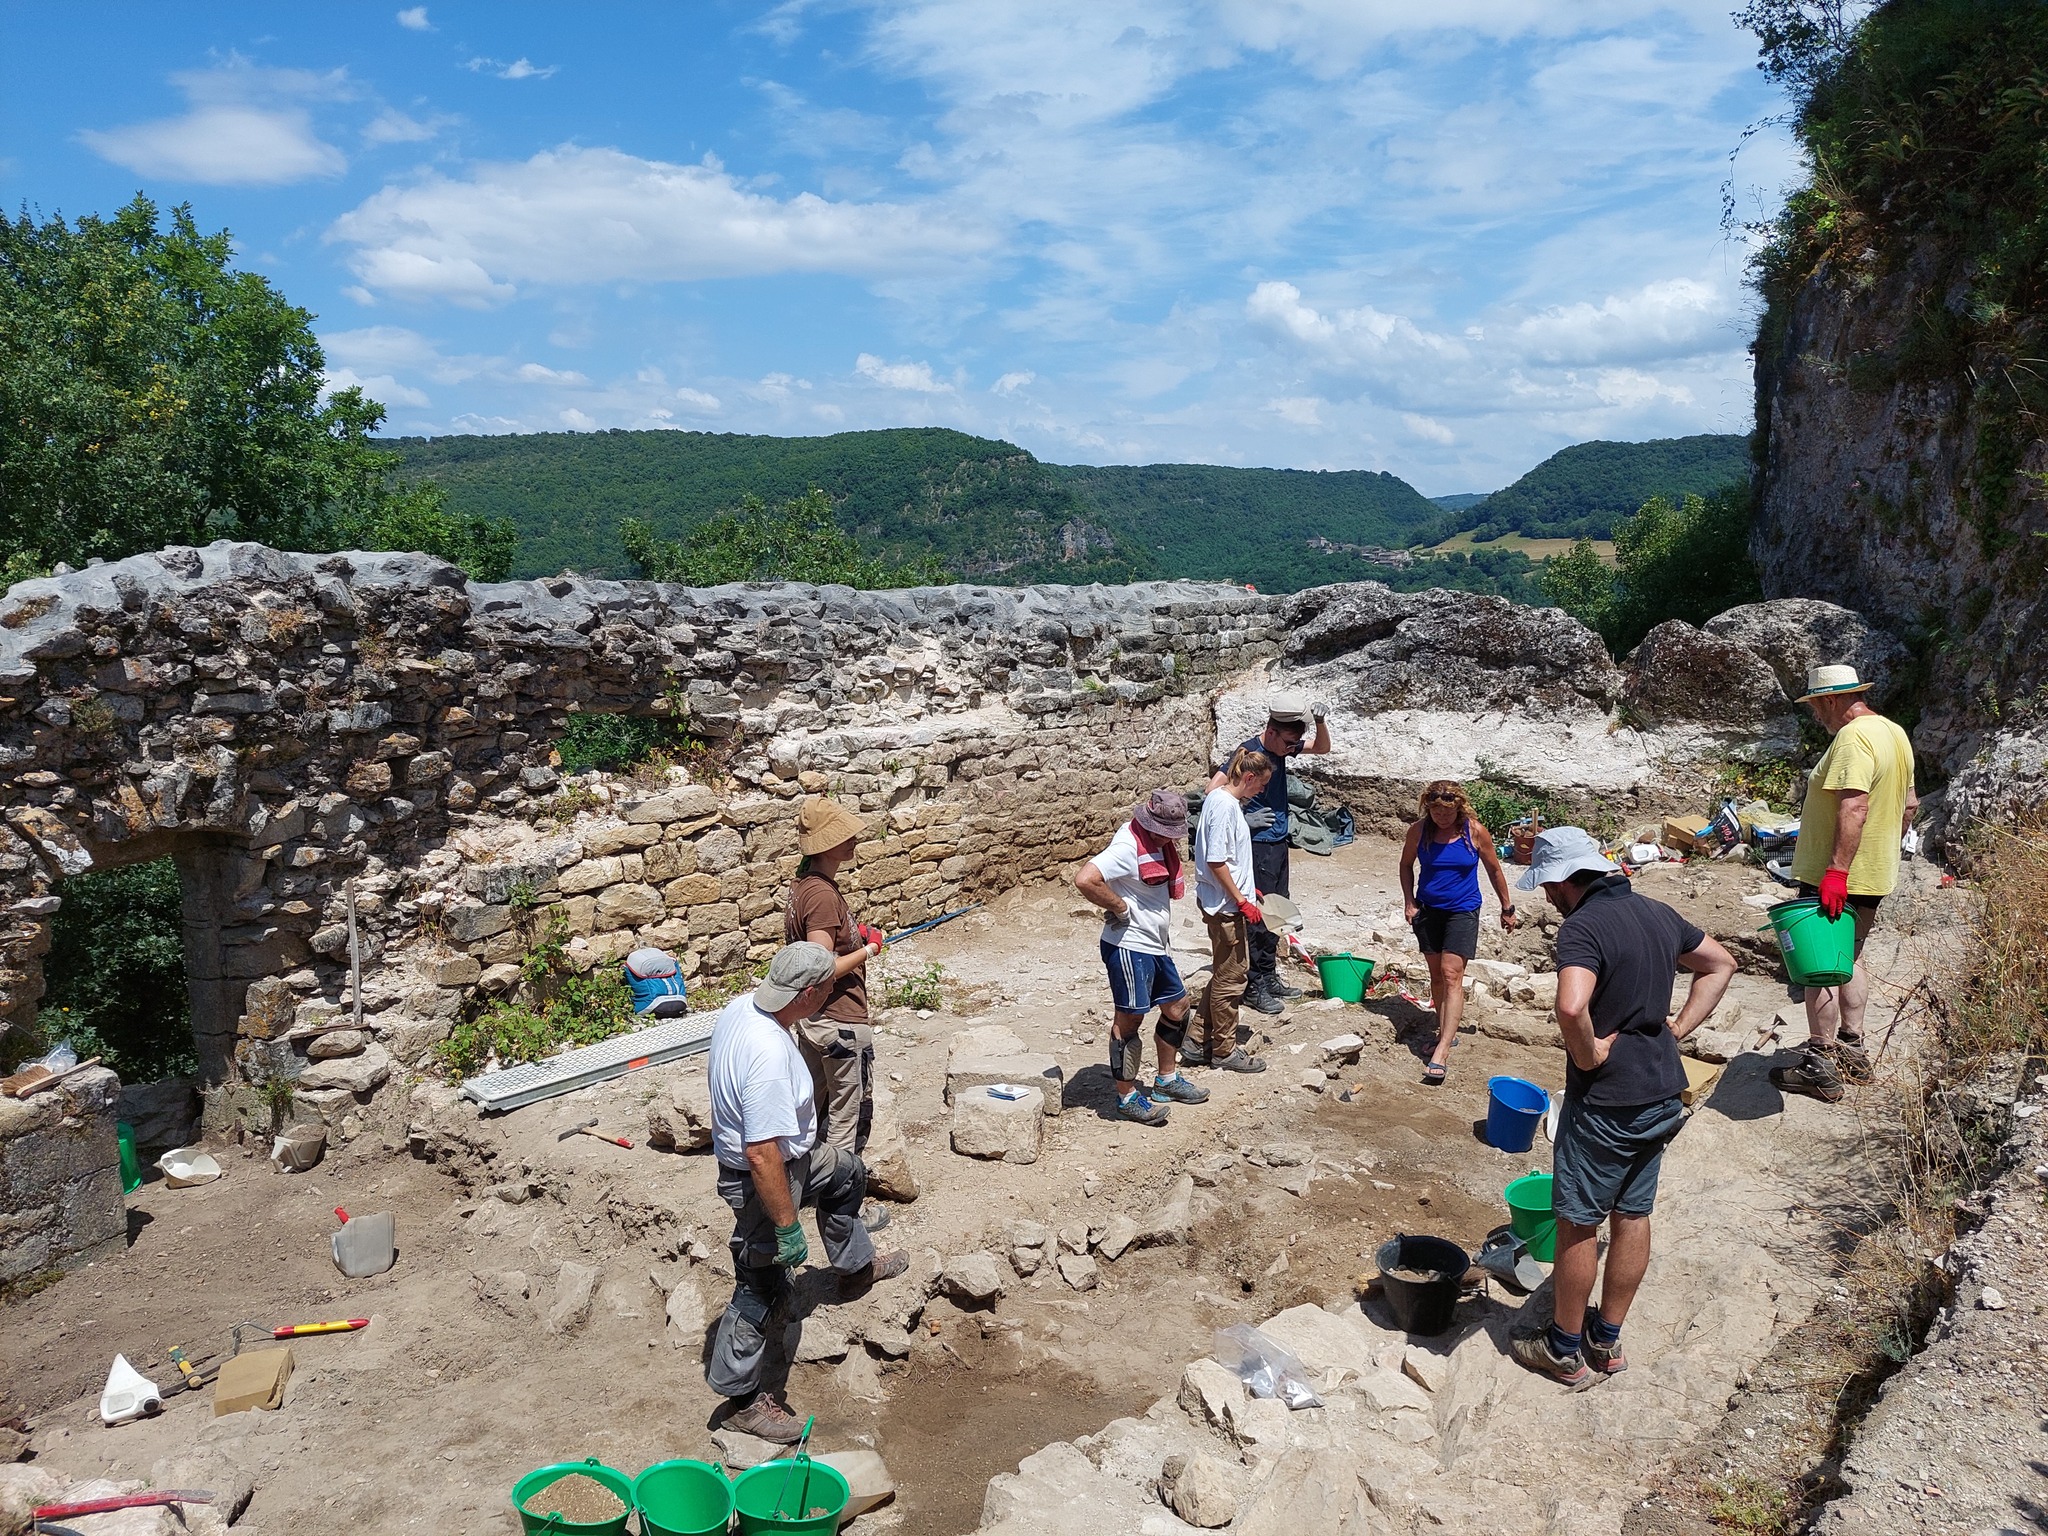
1441 240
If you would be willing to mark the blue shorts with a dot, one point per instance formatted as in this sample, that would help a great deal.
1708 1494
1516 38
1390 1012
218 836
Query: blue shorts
1606 1159
1139 982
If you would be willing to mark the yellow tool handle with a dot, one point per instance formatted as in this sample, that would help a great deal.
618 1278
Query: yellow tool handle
296 1330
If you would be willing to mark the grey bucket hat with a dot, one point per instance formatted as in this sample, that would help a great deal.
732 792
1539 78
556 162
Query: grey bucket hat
1560 853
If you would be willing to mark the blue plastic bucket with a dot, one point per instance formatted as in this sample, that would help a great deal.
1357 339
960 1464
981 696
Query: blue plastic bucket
1514 1108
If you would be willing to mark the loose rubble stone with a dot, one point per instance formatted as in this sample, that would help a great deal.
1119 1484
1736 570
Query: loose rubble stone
1007 1129
575 1288
1079 1271
1117 1236
973 1278
1201 1489
338 1043
680 1119
363 1073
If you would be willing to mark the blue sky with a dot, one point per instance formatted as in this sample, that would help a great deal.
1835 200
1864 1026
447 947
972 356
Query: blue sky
1442 240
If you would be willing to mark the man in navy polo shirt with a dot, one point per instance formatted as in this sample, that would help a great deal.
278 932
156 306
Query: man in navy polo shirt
1617 956
1289 719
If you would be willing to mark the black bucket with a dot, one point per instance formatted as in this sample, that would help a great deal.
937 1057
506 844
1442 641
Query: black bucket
1422 1306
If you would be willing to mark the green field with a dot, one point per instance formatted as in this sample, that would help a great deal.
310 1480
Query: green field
1535 549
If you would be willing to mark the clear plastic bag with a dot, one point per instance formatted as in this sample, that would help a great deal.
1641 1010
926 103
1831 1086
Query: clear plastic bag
1264 1367
59 1058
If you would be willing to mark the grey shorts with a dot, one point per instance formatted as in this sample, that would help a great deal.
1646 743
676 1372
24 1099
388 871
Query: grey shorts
1607 1159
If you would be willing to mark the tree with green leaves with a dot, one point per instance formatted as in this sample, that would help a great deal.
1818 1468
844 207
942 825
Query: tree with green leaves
1579 582
795 540
150 394
1673 560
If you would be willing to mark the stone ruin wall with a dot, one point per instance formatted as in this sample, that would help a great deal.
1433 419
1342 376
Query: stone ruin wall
289 725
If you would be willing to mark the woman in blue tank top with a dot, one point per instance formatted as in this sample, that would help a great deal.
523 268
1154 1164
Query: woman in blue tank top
1450 844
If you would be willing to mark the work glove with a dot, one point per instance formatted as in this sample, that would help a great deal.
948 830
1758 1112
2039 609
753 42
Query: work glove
1260 819
1251 912
790 1248
1319 709
1834 892
871 935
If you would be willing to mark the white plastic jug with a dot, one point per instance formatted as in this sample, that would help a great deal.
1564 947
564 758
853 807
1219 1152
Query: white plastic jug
128 1394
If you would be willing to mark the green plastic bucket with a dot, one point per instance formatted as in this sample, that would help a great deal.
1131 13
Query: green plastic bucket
1819 951
1344 976
1530 1215
759 1497
548 1523
683 1498
131 1165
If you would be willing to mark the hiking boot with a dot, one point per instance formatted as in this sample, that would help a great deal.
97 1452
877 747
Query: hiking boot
1812 1072
1280 988
1260 998
1533 1351
1140 1108
1179 1089
884 1266
874 1215
1239 1060
1605 1359
766 1419
1852 1061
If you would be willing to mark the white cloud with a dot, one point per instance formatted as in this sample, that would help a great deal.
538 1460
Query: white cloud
392 126
1674 318
575 216
577 421
914 377
224 146
519 69
1427 428
414 19
381 387
1010 383
1301 410
540 373
698 401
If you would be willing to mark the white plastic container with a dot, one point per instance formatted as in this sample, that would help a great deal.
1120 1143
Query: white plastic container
128 1394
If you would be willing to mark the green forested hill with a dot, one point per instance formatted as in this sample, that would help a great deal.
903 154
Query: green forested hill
1579 491
990 510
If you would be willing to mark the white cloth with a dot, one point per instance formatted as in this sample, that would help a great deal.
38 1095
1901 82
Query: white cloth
1149 931
1221 837
761 1086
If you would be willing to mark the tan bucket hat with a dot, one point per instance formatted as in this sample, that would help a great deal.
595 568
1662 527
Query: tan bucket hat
822 823
1821 681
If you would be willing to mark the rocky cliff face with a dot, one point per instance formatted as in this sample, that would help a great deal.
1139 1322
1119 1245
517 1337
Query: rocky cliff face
1898 479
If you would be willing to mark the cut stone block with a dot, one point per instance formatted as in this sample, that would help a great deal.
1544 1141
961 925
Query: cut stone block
1027 1070
1010 1129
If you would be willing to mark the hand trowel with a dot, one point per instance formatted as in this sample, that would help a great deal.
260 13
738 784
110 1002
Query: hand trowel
365 1245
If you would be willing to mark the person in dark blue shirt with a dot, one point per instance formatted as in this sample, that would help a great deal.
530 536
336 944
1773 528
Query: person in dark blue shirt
1289 721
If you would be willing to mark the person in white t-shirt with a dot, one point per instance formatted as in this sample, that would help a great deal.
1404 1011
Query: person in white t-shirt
1229 899
764 1134
1135 880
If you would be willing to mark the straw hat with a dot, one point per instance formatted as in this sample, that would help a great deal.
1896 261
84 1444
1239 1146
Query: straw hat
822 823
1821 681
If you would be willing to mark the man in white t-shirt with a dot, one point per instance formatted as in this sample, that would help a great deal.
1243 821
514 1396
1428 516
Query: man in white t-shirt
1135 880
764 1133
1228 895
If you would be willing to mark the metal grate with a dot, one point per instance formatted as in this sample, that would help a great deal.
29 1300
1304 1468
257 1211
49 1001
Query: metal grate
589 1064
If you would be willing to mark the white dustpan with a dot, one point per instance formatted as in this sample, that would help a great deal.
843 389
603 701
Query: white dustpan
128 1394
1282 916
185 1166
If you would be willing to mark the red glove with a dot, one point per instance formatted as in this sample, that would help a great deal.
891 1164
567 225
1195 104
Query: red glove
871 935
1251 912
1834 892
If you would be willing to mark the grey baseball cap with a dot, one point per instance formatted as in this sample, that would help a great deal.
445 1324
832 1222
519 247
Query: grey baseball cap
795 969
1562 852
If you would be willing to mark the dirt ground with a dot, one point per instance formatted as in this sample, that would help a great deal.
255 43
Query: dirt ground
481 1364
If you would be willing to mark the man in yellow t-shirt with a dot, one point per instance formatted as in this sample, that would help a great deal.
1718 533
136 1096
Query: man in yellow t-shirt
1860 803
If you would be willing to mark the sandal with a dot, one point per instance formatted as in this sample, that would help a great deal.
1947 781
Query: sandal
1433 1074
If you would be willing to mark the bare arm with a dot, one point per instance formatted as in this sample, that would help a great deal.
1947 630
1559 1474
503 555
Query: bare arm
827 940
1221 779
1912 810
1575 1019
1318 744
771 1181
1712 969
1409 849
1090 884
1490 857
1852 811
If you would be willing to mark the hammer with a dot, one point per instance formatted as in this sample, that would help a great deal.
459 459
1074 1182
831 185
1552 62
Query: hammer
585 1130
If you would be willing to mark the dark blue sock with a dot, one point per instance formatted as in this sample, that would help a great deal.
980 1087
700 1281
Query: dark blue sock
1563 1344
1604 1333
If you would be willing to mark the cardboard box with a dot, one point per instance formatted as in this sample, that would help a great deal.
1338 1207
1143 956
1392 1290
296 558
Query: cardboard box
254 1380
1684 832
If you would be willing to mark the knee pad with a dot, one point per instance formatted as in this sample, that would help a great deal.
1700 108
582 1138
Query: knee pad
1126 1055
1173 1031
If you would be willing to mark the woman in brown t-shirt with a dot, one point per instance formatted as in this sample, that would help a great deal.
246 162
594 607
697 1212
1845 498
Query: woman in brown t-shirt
837 1042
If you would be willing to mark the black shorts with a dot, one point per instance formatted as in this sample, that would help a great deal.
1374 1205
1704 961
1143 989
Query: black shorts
1447 933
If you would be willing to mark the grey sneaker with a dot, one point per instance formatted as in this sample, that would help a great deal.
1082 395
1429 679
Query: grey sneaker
1852 1061
1140 1108
1178 1089
1533 1351
1239 1060
1261 998
1810 1071
1606 1360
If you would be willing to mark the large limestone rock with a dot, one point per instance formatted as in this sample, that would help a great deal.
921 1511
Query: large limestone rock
1795 634
1007 1129
364 1073
1680 675
1201 1489
1024 1068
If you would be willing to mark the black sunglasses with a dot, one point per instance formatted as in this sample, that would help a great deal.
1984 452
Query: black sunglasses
1440 798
